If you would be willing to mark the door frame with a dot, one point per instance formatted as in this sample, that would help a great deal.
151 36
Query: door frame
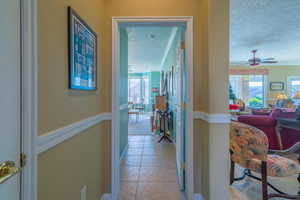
116 22
29 97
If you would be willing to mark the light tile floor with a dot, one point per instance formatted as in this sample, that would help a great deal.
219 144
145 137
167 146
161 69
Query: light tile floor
148 171
141 126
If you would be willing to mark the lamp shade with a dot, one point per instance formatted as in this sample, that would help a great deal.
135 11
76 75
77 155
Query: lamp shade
297 95
281 96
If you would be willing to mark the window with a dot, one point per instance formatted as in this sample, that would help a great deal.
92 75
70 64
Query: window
138 90
249 88
293 85
145 90
134 90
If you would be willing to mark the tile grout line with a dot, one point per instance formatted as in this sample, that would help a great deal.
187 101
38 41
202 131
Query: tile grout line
158 152
139 173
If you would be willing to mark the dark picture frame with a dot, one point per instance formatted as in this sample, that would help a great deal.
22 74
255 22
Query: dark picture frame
276 86
82 53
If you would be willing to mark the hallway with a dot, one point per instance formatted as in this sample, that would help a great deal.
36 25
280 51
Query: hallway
142 126
148 171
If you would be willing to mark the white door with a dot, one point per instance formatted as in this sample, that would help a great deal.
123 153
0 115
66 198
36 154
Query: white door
123 90
180 139
10 101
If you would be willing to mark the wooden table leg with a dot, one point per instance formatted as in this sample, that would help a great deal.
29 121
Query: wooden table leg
277 130
264 180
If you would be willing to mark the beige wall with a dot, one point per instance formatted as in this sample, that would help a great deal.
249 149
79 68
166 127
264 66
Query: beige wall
108 157
78 162
155 8
218 158
218 58
201 166
58 106
82 160
201 79
211 159
280 74
213 139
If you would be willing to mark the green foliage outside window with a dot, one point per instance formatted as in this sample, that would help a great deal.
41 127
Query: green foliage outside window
256 102
231 94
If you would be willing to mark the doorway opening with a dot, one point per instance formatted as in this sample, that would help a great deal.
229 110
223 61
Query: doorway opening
152 109
139 100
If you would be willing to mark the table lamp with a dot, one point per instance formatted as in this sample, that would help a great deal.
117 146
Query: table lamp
297 95
281 96
280 100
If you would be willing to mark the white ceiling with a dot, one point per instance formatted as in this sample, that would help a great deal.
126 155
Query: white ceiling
147 46
271 26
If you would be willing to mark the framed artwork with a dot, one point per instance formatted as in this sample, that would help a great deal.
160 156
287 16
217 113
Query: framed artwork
82 54
166 84
162 83
155 90
173 79
276 86
170 82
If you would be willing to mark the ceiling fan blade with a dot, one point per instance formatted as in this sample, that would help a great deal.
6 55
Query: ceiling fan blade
239 62
269 61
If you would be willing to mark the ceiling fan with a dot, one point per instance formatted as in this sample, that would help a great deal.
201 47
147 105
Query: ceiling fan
254 61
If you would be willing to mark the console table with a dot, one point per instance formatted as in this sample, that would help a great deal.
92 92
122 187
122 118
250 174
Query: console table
286 123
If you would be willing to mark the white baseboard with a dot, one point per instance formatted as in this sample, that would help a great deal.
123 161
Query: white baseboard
106 196
124 153
198 197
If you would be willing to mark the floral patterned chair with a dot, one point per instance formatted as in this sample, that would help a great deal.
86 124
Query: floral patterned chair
249 148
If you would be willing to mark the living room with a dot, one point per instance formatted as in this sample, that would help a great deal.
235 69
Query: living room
264 70
264 90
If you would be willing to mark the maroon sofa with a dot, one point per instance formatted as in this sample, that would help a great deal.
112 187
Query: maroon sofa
267 123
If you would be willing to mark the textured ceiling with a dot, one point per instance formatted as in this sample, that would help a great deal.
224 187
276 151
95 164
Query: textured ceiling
271 26
147 46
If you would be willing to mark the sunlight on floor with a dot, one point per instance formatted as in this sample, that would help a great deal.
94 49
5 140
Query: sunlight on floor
140 125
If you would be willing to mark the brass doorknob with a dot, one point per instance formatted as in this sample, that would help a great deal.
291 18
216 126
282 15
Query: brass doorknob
7 170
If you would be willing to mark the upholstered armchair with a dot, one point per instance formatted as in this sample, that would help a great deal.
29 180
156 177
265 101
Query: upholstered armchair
249 148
